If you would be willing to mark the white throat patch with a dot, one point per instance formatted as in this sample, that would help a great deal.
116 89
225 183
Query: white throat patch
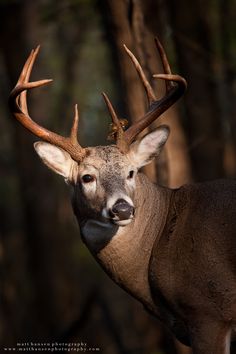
97 234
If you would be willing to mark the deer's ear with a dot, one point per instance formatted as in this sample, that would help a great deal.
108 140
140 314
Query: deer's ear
55 158
143 151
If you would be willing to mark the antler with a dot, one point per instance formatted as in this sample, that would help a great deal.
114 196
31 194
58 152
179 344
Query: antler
18 107
119 136
175 88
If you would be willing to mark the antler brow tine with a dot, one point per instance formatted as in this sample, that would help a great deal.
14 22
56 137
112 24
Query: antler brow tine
120 141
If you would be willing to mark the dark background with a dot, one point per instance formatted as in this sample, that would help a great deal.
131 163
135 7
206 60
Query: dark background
51 288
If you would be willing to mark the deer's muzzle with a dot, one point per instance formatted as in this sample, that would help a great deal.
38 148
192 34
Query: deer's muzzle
121 210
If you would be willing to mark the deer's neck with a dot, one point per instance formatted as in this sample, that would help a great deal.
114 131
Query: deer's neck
126 254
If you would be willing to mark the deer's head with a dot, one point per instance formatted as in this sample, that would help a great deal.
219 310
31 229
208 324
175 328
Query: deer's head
103 177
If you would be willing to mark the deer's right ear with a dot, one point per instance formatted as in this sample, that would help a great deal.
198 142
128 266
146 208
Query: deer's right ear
55 158
143 151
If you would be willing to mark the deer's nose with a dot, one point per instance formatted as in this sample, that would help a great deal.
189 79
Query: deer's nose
122 209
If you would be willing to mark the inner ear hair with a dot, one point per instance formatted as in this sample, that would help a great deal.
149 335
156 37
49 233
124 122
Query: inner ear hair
55 158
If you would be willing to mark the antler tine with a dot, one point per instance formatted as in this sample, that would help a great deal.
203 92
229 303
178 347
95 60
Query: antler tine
18 107
74 128
165 63
149 91
120 140
24 78
169 78
173 93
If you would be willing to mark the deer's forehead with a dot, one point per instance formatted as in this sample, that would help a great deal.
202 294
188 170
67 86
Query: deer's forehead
107 158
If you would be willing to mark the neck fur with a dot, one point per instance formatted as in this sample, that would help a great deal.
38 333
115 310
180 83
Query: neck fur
127 253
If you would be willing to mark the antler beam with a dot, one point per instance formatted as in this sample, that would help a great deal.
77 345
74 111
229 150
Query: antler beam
18 107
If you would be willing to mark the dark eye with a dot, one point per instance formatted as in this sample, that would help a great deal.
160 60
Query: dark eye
87 178
131 174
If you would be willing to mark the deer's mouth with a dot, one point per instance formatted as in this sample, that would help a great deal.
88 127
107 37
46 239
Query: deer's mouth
122 222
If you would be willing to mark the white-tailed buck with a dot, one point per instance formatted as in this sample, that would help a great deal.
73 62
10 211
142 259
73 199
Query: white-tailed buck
173 250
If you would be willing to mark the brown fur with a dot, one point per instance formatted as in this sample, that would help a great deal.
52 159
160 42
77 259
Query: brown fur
177 256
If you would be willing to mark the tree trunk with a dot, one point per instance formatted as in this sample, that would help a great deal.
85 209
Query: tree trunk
193 45
125 22
226 82
38 212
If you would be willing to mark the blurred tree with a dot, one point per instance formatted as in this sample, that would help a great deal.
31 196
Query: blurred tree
226 69
194 46
39 213
124 22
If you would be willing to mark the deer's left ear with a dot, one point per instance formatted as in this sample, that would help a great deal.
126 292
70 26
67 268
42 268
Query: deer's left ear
55 158
143 151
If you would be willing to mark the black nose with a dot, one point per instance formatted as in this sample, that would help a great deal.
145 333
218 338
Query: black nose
122 209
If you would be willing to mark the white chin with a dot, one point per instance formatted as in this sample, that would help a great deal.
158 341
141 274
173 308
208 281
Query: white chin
122 222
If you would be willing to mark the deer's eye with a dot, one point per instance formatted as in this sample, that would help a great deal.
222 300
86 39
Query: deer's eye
131 174
88 178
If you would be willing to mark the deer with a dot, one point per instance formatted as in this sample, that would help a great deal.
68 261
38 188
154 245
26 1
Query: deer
173 250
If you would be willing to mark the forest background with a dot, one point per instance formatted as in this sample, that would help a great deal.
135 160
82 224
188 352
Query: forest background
51 288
